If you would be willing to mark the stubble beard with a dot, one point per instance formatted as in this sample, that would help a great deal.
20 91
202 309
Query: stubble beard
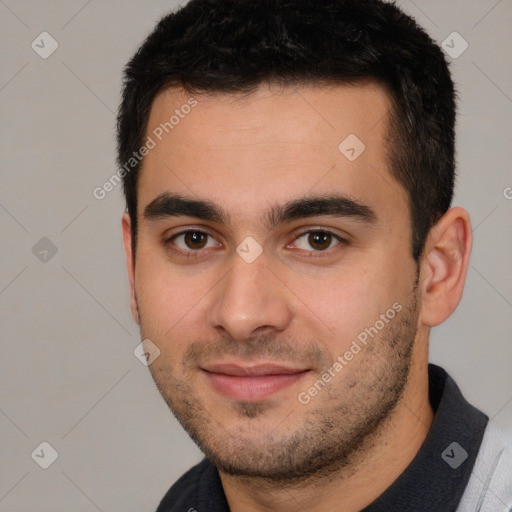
336 428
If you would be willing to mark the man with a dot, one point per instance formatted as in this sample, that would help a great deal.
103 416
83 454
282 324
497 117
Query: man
288 169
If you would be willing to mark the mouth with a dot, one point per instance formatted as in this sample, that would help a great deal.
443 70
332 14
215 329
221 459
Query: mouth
252 383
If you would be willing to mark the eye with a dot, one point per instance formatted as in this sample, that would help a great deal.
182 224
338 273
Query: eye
318 240
192 240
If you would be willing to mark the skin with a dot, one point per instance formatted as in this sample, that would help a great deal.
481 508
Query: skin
295 304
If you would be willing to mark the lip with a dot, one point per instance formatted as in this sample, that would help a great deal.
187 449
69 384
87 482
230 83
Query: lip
252 383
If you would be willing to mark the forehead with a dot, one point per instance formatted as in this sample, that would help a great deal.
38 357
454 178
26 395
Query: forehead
276 144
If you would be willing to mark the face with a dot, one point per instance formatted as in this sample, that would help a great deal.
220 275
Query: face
274 274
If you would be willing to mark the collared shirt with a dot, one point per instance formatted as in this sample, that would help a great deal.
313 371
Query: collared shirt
436 479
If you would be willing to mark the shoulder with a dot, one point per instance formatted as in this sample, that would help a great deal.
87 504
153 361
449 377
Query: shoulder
183 494
490 486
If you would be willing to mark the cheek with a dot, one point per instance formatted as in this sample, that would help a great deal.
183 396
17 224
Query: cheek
349 302
171 302
157 297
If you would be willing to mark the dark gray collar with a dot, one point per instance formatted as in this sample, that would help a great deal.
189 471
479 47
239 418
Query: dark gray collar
437 476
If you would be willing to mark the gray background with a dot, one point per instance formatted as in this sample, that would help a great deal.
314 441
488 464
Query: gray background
68 375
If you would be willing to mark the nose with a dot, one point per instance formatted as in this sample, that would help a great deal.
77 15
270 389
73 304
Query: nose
251 298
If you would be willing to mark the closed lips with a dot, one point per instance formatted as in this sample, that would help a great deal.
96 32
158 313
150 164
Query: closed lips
251 383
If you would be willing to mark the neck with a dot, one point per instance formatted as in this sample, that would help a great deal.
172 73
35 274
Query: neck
384 457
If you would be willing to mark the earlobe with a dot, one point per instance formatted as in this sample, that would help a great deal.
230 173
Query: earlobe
130 264
444 266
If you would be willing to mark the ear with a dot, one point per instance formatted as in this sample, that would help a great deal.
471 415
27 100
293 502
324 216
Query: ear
130 263
444 266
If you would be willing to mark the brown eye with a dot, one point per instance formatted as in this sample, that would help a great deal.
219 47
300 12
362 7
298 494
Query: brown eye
319 240
191 241
195 239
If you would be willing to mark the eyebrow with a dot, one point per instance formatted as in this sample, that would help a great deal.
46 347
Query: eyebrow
174 205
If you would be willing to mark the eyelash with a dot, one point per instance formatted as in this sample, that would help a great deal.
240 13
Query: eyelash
200 252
